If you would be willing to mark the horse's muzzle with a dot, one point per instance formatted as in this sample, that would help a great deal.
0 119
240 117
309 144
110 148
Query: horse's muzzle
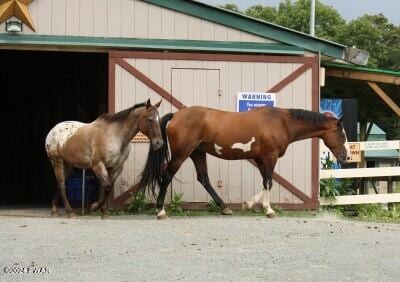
344 160
157 144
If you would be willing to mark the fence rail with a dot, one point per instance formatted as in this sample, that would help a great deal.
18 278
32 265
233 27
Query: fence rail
359 172
360 199
363 173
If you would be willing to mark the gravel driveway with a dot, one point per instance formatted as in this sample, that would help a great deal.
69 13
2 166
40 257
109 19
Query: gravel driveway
214 248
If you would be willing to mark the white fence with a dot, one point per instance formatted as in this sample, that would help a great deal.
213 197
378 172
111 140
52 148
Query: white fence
363 172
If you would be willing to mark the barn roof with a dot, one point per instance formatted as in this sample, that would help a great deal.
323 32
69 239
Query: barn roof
254 26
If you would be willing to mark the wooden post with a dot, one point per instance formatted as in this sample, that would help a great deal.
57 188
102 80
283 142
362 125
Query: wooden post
363 137
390 190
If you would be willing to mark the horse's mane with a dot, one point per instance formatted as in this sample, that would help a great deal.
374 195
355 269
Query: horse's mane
120 115
313 117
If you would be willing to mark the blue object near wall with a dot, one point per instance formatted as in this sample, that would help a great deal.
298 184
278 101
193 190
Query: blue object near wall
332 107
74 187
348 110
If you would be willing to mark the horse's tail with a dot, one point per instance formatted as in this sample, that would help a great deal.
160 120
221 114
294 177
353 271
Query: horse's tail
156 161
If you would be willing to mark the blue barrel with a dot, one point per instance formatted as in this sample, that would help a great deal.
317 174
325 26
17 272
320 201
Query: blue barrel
74 187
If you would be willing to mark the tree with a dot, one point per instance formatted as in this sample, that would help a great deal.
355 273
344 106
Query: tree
269 14
377 36
231 7
297 16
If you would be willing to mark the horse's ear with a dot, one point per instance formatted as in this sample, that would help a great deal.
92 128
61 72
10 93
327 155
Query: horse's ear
158 104
148 104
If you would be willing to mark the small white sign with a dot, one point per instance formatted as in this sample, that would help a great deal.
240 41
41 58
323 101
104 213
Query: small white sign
247 101
381 145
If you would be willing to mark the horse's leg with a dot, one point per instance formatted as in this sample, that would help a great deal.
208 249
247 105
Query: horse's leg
266 199
200 162
57 195
266 166
61 172
95 206
255 199
173 165
102 175
55 203
113 174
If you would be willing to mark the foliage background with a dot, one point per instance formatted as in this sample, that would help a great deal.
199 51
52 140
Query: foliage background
373 33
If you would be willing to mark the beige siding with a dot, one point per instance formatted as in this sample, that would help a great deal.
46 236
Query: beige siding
71 17
58 22
100 18
125 19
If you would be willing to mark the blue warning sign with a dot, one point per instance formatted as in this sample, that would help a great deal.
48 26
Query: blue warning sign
247 101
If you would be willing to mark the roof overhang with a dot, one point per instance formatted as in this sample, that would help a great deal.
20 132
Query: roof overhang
362 73
102 43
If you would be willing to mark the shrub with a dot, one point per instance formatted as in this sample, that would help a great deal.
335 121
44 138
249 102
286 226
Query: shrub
139 203
176 203
212 206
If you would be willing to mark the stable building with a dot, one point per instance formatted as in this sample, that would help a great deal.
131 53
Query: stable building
76 59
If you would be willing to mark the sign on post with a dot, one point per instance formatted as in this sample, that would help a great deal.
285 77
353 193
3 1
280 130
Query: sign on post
355 153
140 138
247 101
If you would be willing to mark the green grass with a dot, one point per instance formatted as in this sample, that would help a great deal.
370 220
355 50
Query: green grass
194 213
368 212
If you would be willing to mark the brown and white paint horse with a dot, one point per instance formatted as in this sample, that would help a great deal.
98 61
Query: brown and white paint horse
102 146
261 134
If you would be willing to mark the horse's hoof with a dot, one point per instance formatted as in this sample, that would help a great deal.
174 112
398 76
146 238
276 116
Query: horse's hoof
55 214
226 211
105 216
245 206
71 215
94 207
162 216
271 215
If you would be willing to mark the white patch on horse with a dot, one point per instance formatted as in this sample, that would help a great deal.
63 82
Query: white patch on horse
245 147
346 144
218 149
59 135
255 199
116 153
162 212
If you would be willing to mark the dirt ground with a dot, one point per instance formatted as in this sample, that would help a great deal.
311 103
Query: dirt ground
212 248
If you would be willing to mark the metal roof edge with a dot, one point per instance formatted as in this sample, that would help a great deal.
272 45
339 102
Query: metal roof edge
361 69
155 44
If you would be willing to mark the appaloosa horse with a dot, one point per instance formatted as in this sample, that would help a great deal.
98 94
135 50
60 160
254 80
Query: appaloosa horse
261 134
102 146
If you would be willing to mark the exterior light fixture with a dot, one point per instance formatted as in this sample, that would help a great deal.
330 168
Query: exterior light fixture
356 56
14 26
